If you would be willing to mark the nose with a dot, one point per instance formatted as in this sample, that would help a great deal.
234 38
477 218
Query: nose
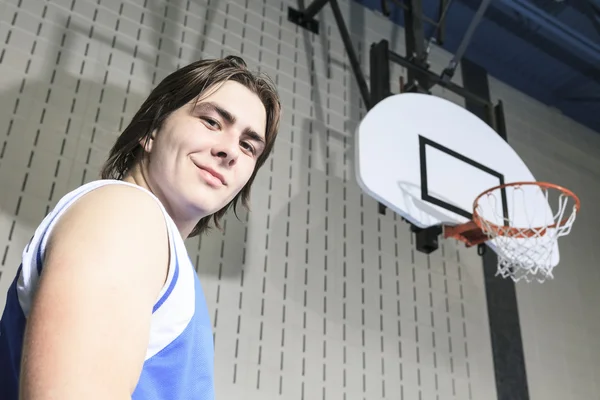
227 150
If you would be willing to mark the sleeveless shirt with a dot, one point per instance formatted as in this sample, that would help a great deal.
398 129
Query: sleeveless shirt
179 361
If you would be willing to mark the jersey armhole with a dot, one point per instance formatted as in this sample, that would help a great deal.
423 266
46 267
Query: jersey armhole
173 267
38 249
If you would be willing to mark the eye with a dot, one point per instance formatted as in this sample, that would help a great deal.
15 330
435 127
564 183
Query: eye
247 146
211 123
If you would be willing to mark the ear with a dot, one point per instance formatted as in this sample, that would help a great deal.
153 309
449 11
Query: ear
148 142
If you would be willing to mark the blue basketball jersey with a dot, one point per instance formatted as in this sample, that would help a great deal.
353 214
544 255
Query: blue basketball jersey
180 355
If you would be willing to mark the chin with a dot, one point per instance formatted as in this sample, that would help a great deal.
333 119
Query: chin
204 202
204 207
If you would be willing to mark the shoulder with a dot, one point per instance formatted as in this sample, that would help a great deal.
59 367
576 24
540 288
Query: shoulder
115 205
117 225
105 262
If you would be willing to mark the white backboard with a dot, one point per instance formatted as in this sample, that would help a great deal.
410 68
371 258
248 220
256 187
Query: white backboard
427 159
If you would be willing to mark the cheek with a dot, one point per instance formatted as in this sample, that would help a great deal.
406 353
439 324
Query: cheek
246 173
164 158
159 153
173 143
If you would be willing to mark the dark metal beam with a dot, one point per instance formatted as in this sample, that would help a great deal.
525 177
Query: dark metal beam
354 63
448 72
414 30
380 72
500 121
306 18
503 311
380 80
313 8
416 50
385 10
436 80
441 28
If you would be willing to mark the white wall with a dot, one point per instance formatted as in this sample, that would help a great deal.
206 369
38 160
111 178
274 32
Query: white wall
350 311
560 320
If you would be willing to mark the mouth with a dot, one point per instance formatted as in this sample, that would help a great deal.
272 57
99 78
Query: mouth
213 176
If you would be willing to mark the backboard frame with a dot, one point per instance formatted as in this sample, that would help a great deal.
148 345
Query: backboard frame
423 143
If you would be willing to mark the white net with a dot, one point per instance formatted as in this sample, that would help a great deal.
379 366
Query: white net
524 222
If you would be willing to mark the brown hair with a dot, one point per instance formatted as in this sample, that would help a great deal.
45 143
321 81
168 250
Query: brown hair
179 88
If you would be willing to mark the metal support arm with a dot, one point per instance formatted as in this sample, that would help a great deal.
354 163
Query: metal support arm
354 63
306 20
448 72
416 49
434 79
313 8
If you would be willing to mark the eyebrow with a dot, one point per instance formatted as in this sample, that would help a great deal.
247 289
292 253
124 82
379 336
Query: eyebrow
230 119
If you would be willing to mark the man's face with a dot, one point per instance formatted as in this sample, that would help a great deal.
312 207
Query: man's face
206 152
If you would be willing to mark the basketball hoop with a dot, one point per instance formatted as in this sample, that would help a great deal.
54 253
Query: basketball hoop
525 251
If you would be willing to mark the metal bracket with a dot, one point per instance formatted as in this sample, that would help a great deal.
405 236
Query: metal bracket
427 238
298 18
481 248
306 18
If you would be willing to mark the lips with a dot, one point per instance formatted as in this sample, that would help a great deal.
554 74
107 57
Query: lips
214 174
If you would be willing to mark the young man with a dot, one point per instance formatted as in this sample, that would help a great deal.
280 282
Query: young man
106 303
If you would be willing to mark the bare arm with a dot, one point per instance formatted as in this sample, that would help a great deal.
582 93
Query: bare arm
88 329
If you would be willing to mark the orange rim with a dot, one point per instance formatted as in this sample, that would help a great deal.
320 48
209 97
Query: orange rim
521 232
